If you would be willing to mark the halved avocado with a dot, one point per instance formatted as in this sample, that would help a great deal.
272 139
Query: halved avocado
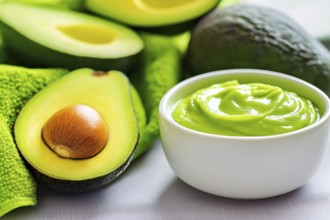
151 13
42 36
100 96
68 4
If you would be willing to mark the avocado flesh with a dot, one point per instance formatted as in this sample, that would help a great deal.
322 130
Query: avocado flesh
109 94
63 38
249 36
67 4
149 13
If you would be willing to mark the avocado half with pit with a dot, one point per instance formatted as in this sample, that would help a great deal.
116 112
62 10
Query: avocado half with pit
79 133
151 13
48 37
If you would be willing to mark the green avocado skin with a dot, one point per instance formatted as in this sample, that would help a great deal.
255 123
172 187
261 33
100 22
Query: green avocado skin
249 36
31 54
81 186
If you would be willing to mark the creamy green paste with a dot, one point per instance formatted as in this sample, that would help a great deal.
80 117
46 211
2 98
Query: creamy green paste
253 109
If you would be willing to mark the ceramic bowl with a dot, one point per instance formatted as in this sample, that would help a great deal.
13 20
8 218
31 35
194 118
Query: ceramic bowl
244 167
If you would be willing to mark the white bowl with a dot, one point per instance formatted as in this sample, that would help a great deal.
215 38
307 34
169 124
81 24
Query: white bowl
244 167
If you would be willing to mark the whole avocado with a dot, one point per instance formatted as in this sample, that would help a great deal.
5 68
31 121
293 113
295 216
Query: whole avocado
249 36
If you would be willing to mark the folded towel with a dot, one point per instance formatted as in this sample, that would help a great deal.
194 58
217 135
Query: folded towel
2 54
17 86
17 188
159 69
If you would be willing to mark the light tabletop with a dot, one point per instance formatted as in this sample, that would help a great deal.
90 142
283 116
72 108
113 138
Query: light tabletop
150 190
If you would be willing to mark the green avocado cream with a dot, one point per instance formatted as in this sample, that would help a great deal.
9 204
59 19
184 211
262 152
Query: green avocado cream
253 109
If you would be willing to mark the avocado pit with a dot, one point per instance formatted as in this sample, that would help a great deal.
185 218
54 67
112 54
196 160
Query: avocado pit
76 132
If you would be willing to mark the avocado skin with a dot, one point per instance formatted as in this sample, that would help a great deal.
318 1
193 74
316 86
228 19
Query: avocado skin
326 42
249 36
81 186
35 55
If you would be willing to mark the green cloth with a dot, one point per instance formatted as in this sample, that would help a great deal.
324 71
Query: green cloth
2 53
17 188
17 86
159 70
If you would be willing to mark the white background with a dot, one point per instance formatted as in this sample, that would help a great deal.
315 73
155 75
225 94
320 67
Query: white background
312 15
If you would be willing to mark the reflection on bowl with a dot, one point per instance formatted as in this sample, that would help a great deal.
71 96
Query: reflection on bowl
245 167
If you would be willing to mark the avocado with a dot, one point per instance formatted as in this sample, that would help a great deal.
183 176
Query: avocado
67 4
41 36
150 13
249 36
79 133
325 41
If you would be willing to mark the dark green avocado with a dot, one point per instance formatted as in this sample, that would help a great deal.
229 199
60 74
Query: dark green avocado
249 36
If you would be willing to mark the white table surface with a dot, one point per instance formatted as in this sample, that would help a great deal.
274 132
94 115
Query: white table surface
150 190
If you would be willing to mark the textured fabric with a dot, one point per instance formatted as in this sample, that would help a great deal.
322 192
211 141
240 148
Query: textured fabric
17 188
158 71
17 86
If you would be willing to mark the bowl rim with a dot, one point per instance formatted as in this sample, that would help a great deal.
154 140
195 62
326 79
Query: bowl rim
194 79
